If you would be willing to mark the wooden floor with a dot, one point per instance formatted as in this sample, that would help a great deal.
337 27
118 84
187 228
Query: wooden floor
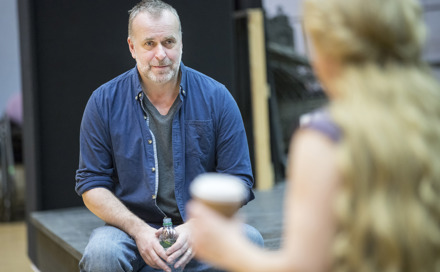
13 247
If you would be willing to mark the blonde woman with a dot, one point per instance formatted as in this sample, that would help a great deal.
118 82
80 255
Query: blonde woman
364 174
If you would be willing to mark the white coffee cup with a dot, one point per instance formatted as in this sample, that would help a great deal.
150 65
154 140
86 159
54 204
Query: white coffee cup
221 192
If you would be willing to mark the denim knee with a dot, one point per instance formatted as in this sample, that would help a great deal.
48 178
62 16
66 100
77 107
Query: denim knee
108 250
253 235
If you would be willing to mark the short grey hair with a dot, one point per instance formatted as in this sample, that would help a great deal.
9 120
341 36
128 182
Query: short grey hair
154 8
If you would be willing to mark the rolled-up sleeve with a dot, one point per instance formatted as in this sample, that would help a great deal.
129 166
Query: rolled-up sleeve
95 161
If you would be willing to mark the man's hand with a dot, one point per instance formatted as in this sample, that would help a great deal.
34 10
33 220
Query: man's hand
151 250
106 206
181 250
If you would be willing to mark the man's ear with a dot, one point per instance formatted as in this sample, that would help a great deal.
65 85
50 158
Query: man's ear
131 47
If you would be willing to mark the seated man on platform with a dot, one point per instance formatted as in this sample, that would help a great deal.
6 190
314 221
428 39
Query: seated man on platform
145 135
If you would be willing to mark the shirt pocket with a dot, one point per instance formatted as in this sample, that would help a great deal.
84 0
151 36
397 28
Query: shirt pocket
199 138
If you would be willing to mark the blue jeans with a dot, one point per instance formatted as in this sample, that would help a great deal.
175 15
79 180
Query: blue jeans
112 250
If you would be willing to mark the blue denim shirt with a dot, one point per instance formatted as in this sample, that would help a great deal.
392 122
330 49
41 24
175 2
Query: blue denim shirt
117 149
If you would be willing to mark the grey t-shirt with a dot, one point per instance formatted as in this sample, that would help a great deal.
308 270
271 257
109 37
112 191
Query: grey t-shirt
161 127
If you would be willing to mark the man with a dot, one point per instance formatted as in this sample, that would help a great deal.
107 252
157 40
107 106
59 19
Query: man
145 135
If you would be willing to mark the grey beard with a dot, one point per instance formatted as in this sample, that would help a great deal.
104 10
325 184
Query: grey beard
161 78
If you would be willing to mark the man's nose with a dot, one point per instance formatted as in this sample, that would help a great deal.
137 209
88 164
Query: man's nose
160 52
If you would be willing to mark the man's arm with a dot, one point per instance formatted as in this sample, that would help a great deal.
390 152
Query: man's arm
106 206
232 147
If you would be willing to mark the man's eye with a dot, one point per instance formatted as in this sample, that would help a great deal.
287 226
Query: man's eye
169 43
149 44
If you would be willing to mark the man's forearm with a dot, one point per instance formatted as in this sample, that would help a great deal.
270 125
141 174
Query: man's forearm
109 208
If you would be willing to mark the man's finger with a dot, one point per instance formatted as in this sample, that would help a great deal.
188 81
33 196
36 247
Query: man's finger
178 248
176 255
157 262
158 232
185 259
160 251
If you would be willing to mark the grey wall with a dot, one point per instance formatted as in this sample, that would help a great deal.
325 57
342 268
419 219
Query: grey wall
10 79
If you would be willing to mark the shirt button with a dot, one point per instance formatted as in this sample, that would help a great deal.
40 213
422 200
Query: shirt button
183 91
153 196
153 169
145 117
150 141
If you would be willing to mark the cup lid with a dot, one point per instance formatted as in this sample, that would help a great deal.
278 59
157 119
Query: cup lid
218 187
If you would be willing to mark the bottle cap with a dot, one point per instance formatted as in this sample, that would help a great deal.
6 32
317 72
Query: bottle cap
167 221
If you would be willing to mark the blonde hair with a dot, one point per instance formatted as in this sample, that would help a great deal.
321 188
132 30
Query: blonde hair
373 30
388 109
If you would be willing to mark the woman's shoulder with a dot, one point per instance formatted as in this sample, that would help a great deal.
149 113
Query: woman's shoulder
321 121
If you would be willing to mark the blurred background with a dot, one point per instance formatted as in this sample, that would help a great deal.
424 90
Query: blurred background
54 53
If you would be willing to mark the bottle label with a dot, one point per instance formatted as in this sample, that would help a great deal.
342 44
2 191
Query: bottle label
167 242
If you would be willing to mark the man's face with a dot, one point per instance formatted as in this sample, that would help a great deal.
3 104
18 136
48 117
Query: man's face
156 44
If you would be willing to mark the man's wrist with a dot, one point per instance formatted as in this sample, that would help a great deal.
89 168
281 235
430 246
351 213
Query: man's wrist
136 226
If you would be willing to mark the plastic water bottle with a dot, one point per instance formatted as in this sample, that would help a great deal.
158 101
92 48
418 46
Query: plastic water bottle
167 238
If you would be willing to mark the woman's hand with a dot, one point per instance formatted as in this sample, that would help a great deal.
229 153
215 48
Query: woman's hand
215 238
